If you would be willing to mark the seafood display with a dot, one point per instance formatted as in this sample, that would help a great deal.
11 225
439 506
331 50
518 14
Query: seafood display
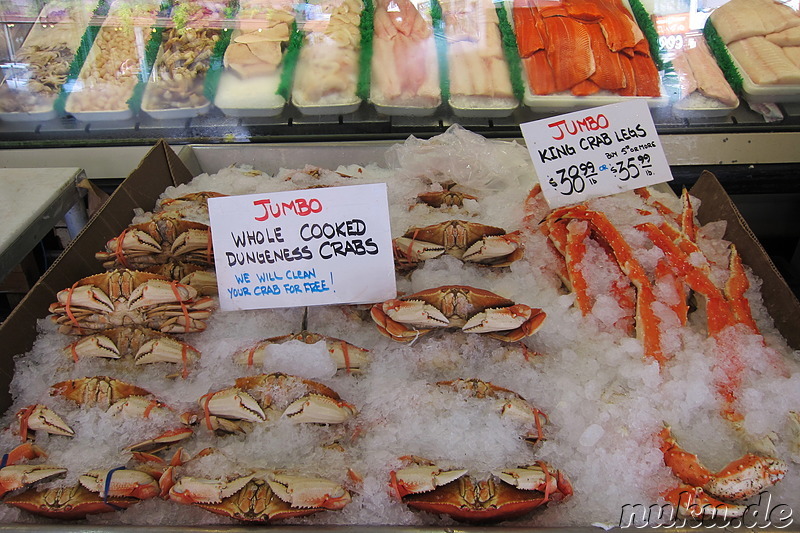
477 67
112 68
405 71
701 81
41 65
327 70
763 36
179 73
609 353
253 60
582 47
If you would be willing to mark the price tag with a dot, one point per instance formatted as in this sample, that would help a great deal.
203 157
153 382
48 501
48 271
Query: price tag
307 247
596 152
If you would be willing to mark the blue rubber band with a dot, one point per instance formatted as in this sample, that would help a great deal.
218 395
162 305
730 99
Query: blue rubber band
108 486
4 461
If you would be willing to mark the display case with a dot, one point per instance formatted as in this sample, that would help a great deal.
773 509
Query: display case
255 79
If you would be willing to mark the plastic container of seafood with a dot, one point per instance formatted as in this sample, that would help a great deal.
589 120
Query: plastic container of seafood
472 107
764 94
176 85
564 101
409 87
698 106
253 97
113 67
29 90
327 69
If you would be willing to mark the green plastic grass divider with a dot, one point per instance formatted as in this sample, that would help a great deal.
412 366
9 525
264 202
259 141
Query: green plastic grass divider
441 48
290 62
724 60
649 29
87 40
216 63
509 41
365 57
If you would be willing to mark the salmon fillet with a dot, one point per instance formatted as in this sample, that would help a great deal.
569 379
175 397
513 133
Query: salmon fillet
572 60
608 73
540 73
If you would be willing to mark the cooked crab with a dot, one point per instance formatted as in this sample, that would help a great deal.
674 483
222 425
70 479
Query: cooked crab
509 403
456 306
97 390
164 239
447 197
347 356
129 298
15 474
143 344
505 495
468 241
67 503
262 496
201 279
267 397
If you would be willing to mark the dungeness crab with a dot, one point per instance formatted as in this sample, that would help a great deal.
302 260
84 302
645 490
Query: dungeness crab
262 496
468 241
277 395
129 298
346 356
504 495
456 306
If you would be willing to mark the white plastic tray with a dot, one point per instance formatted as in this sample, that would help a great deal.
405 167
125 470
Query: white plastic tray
491 108
565 100
249 97
349 106
47 113
763 94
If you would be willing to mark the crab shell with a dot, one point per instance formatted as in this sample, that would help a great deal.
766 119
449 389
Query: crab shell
120 483
473 501
468 241
253 499
97 390
347 356
68 503
445 198
164 239
456 306
129 298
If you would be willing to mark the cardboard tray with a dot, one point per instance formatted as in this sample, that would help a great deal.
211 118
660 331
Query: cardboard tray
161 168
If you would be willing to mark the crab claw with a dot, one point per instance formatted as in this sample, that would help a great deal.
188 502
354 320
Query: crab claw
519 320
233 403
415 313
165 349
416 250
537 477
41 418
23 451
319 409
15 477
200 490
739 480
693 502
307 492
493 247
120 483
419 478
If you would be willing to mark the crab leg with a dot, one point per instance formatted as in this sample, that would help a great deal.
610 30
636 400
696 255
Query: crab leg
41 418
739 480
647 322
734 290
693 502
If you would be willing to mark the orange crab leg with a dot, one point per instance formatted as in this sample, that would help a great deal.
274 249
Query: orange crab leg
665 275
574 252
694 502
688 226
662 209
647 322
734 290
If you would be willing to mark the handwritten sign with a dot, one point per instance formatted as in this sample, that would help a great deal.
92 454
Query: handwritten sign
306 247
596 152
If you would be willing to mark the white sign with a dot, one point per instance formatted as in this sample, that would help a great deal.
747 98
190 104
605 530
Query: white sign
596 152
305 247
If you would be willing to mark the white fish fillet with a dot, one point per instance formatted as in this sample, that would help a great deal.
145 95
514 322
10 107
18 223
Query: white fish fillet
738 19
686 79
764 62
790 37
776 17
711 81
793 53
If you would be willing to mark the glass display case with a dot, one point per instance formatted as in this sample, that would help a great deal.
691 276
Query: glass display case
78 72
